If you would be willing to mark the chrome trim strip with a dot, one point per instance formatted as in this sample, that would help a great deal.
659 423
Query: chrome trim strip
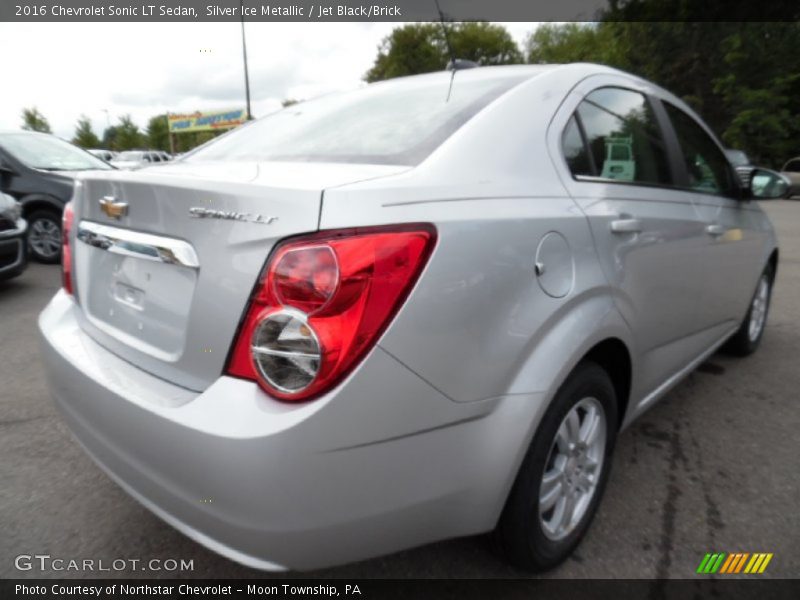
145 246
19 230
284 353
674 379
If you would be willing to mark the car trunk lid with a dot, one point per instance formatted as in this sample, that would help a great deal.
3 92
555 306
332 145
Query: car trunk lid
163 281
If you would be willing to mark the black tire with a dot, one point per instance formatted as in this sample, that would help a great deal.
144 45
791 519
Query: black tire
520 533
742 343
49 218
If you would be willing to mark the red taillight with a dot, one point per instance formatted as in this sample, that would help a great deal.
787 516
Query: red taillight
322 303
304 278
66 251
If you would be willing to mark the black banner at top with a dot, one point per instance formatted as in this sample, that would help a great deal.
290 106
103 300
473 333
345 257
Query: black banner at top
394 10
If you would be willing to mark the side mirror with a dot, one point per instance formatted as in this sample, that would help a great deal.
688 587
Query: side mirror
767 185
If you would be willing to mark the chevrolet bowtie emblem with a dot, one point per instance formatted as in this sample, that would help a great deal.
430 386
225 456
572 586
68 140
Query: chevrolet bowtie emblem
112 207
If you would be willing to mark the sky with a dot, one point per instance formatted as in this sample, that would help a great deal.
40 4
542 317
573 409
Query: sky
105 70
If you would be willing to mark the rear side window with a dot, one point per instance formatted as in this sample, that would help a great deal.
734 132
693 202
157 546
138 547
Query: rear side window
575 152
707 165
621 135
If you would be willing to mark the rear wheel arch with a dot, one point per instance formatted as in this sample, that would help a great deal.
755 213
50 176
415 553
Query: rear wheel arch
36 203
773 262
520 532
613 356
608 352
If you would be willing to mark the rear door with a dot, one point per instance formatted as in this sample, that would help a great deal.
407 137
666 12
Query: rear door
734 237
649 237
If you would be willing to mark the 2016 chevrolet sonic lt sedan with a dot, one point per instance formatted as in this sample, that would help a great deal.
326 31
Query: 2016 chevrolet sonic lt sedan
418 310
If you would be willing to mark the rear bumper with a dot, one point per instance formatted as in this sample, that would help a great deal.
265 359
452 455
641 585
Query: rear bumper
383 463
13 251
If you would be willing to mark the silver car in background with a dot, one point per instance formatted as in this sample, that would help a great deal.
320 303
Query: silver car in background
136 159
420 310
106 155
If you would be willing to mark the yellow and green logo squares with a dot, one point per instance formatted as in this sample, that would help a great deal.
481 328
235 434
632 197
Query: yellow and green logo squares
735 562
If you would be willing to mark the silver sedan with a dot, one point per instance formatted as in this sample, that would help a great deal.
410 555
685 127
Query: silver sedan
419 310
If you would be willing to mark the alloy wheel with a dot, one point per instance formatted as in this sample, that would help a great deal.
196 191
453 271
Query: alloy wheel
758 310
573 469
44 238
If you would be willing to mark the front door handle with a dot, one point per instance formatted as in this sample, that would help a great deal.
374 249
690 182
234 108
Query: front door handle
626 226
715 230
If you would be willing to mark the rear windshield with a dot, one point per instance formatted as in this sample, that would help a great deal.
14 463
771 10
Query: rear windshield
398 123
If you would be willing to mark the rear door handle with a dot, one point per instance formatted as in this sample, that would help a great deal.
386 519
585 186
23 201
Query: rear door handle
715 230
626 226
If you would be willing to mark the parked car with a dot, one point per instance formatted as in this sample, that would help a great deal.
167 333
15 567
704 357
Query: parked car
404 313
792 172
136 159
38 170
106 155
741 162
13 247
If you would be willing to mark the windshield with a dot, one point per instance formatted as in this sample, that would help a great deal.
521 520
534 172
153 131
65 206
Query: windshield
130 156
49 153
398 123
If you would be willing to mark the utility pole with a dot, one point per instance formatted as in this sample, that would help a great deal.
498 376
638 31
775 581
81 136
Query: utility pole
171 138
244 57
108 126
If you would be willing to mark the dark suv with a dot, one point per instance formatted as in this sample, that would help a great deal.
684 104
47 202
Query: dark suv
38 170
13 255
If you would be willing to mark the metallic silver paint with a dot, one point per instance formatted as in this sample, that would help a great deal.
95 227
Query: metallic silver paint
424 438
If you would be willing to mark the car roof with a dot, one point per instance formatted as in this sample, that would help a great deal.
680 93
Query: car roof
22 131
495 71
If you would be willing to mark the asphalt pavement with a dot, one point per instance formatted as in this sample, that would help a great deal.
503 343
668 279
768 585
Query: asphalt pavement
715 466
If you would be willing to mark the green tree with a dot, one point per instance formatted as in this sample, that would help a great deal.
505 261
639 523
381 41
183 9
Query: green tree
483 43
110 138
33 120
742 77
408 50
128 136
761 93
739 75
85 136
158 133
187 141
554 43
421 48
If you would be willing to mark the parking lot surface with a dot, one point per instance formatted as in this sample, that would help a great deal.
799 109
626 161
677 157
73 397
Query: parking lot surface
715 466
